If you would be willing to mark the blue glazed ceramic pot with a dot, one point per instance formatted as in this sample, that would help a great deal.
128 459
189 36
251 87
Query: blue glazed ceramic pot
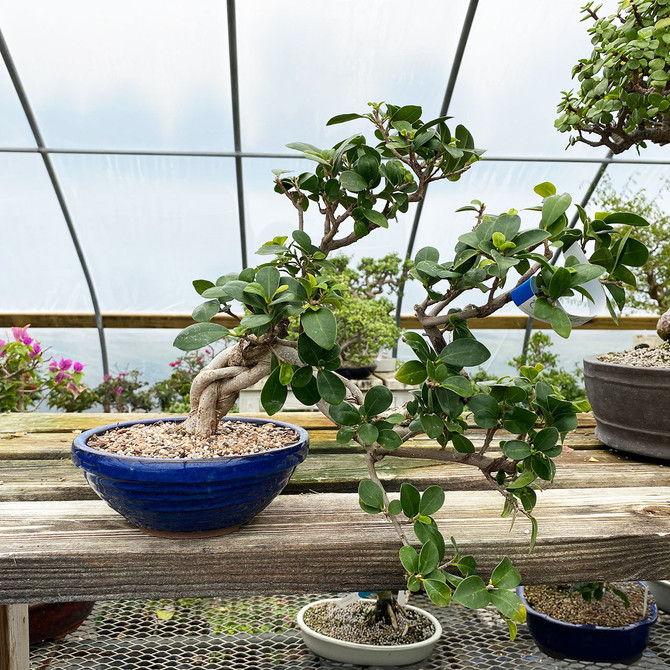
607 644
189 497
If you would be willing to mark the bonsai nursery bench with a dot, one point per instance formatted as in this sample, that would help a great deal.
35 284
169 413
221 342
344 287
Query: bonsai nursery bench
606 516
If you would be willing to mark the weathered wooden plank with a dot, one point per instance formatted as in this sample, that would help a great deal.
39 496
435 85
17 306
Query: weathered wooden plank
341 472
14 637
28 422
409 321
323 542
55 446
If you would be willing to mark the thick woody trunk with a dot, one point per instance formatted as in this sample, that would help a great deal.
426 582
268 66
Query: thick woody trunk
663 326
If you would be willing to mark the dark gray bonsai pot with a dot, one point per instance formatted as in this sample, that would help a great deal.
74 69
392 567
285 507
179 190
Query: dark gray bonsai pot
631 406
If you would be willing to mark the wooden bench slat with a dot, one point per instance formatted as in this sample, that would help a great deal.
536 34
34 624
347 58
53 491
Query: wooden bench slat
331 472
83 550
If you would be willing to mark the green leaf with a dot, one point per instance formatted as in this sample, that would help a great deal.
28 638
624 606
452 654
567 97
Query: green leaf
485 409
560 322
429 532
389 439
320 326
429 558
352 181
410 499
409 559
459 384
438 592
462 444
519 420
342 118
368 433
529 238
376 217
553 207
533 533
302 376
508 604
165 615
273 394
511 625
543 309
546 439
560 282
345 434
419 346
505 575
525 478
431 500
627 218
634 254
395 507
472 593
427 254
516 450
545 189
377 400
412 372
199 335
543 467
302 239
256 320
206 311
371 494
466 565
268 277
432 424
285 373
409 113
201 285
345 414
308 394
464 352
331 387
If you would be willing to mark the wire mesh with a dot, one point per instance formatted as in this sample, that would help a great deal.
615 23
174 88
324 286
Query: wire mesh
255 633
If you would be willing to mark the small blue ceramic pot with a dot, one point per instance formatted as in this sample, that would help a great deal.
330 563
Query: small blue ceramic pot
615 644
189 497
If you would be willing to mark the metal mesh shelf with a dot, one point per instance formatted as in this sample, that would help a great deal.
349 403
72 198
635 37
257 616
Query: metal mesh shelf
256 633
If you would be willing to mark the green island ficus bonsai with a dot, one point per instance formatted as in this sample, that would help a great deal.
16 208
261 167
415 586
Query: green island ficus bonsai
623 99
359 188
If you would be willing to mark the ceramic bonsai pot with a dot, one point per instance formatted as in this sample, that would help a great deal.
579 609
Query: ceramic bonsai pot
661 593
368 654
362 372
52 621
605 644
189 497
630 405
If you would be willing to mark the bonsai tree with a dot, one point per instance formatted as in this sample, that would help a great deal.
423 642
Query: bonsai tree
364 319
623 99
359 188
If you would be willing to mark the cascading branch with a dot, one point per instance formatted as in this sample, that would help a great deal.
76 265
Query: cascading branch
358 188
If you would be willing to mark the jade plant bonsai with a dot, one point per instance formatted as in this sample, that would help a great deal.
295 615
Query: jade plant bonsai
360 188
623 99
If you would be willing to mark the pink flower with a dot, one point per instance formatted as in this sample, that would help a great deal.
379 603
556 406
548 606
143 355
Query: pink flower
36 350
106 378
59 377
172 365
53 366
65 364
77 367
73 388
119 390
2 343
27 340
122 374
17 333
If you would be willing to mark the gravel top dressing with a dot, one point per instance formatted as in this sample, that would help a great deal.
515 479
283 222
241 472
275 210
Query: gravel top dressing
348 624
168 440
646 357
559 602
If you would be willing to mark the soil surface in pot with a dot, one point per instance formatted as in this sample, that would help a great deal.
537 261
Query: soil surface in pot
168 440
644 357
348 624
559 602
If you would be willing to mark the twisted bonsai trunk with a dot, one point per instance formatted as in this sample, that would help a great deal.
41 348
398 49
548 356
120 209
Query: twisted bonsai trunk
663 326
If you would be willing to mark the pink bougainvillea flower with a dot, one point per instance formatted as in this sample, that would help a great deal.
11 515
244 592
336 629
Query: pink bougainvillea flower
36 350
119 390
27 340
65 364
73 388
59 377
77 367
17 333
2 343
53 366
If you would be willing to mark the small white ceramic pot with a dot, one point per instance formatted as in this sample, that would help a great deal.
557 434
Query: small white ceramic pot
368 654
661 592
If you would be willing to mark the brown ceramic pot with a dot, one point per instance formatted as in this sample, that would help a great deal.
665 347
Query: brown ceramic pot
631 406
51 621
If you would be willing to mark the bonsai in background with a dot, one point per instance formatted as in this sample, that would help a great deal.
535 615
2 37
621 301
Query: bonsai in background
365 318
359 188
623 99
652 291
28 377
124 392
